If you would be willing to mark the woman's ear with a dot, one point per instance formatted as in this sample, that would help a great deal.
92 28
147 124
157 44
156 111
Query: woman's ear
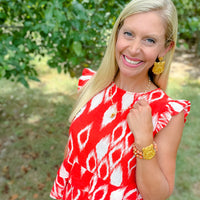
170 46
167 49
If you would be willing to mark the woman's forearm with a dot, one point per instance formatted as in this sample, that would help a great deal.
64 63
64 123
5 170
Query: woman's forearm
151 181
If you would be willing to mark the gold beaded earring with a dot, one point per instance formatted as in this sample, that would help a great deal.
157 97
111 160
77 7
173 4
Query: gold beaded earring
159 67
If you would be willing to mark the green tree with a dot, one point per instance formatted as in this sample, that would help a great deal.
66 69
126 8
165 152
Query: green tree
189 22
73 33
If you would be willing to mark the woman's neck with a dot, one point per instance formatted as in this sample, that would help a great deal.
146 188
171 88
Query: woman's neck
133 84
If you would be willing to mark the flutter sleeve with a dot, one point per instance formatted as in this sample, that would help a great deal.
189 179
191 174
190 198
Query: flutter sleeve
86 76
169 109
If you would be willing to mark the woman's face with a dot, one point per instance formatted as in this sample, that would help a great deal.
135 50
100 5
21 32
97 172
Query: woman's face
140 41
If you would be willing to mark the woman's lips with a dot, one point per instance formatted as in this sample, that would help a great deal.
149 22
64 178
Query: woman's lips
130 62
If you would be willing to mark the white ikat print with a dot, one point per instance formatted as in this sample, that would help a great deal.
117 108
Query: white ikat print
70 148
128 147
164 118
131 165
79 113
117 194
127 100
118 133
63 172
110 93
152 98
91 161
115 155
176 106
77 196
102 147
107 115
102 189
83 136
116 176
128 194
103 169
96 101
154 120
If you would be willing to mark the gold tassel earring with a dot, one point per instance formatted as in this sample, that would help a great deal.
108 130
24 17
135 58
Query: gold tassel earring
158 67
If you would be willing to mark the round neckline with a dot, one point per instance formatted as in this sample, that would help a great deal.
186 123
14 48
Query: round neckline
113 84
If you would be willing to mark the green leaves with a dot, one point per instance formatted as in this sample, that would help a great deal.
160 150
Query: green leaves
72 33
77 47
189 22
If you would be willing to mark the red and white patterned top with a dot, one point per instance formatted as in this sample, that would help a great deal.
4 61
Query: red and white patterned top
100 164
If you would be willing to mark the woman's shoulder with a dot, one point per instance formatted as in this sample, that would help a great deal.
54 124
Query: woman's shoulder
158 98
164 108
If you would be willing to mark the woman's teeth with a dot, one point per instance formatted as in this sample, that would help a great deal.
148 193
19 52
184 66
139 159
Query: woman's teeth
131 61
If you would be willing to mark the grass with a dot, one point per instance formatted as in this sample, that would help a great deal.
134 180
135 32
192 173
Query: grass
33 134
188 160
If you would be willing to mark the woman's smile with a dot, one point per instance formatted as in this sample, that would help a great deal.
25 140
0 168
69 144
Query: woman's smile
134 62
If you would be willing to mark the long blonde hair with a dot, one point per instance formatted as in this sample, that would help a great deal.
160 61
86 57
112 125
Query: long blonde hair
108 67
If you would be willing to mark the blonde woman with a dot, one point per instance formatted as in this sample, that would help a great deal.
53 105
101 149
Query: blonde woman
125 130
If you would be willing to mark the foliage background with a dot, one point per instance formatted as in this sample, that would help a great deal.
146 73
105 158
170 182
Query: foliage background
73 33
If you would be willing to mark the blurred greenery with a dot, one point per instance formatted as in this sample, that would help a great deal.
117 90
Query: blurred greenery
189 22
72 33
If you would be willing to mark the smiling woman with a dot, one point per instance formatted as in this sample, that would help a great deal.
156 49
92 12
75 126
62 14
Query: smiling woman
125 130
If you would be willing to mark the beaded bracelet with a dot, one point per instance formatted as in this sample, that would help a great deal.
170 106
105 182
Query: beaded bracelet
146 153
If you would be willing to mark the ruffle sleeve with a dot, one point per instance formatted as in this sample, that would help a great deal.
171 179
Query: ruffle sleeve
171 108
86 76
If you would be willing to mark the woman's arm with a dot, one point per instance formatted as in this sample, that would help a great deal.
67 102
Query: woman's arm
155 177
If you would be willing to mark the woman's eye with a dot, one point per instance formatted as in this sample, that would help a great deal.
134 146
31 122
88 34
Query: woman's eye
128 33
149 40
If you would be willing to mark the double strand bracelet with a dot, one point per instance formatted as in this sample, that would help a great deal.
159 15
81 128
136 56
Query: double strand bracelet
147 152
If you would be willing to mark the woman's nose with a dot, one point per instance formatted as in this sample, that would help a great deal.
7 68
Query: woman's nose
135 46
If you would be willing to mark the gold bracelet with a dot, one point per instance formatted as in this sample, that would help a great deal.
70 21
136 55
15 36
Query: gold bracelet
146 153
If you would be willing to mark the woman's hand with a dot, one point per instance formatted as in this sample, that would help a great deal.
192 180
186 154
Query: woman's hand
140 122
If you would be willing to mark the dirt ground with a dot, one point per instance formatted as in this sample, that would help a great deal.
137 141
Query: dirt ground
185 62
